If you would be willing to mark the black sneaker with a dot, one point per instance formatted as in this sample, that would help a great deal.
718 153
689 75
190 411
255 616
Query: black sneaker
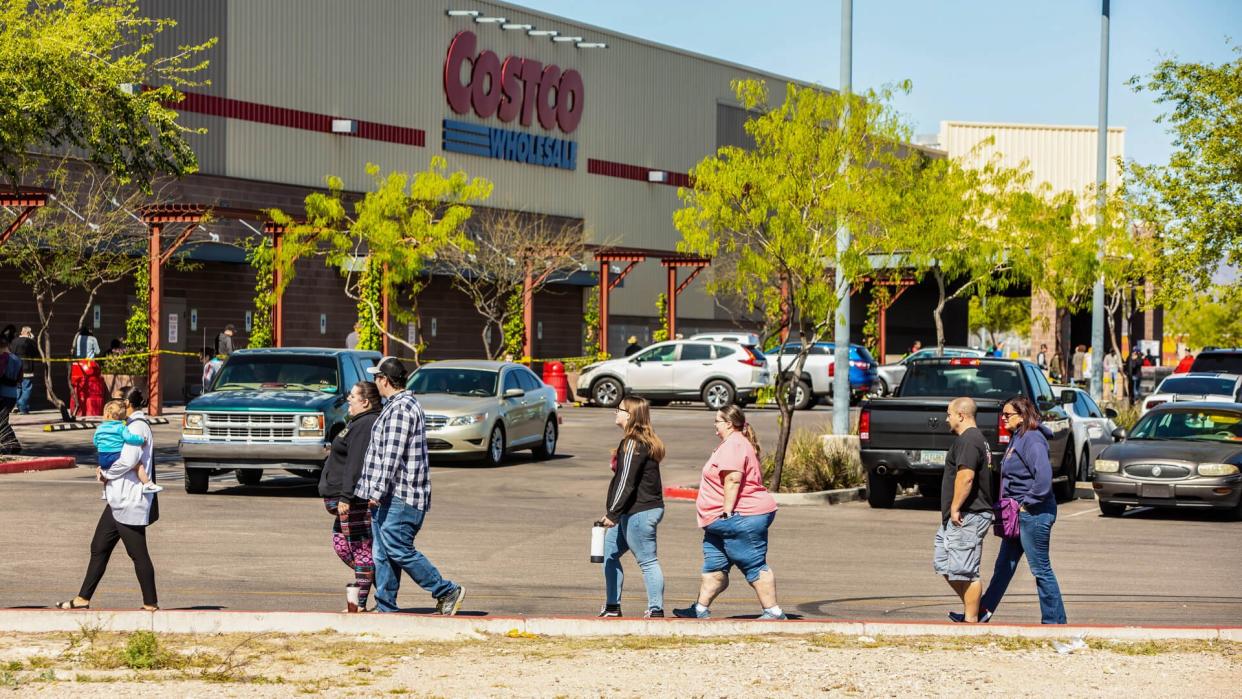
450 603
607 613
654 613
692 612
960 618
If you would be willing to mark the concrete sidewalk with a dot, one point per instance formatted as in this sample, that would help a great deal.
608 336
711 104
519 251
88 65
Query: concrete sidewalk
428 627
40 418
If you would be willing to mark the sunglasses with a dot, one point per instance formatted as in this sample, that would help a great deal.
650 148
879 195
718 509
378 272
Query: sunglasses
1006 413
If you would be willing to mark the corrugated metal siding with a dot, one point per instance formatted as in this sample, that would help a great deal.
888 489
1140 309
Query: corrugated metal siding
1063 156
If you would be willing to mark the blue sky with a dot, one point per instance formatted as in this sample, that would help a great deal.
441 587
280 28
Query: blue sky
969 60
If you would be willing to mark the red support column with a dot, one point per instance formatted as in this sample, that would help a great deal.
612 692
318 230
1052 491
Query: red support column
154 309
528 314
605 286
883 335
671 305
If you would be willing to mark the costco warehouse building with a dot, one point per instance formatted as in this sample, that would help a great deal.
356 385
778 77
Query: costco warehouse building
573 121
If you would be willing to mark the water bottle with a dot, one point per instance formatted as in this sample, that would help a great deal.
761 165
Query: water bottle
351 597
597 542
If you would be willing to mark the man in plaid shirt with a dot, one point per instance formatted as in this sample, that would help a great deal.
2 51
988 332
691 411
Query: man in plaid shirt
396 481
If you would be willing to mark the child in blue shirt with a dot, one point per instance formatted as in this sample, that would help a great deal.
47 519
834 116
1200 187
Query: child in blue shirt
111 436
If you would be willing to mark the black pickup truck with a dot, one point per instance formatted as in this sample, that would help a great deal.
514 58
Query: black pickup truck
904 438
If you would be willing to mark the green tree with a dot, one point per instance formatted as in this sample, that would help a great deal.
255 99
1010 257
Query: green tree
1212 318
402 226
370 296
262 257
773 212
74 74
590 323
660 334
1195 200
514 327
992 316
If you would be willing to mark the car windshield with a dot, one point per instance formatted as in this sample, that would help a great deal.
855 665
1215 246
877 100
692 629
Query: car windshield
1215 425
1197 385
454 381
278 372
1229 362
941 379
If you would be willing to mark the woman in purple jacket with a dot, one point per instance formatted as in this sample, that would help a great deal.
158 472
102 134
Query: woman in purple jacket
1026 476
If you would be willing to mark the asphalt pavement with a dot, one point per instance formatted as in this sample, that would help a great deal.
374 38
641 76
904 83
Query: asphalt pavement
517 536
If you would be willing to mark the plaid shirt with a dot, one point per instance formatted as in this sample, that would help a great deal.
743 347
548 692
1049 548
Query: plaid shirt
396 460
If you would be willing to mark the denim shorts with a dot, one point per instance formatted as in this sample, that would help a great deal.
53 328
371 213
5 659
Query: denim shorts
959 549
741 540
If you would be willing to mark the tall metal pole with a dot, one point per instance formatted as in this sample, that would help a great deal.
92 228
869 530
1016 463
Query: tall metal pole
1101 182
841 382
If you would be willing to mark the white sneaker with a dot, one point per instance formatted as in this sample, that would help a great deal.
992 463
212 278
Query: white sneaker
151 488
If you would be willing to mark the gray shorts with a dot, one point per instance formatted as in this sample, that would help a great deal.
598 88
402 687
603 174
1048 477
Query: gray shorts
959 549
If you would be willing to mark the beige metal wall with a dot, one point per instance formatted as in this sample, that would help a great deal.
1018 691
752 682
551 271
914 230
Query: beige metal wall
383 61
1063 156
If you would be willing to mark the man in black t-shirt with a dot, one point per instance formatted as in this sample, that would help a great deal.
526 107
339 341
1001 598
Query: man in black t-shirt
965 508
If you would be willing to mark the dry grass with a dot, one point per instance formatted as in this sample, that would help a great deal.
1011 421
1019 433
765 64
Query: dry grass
812 465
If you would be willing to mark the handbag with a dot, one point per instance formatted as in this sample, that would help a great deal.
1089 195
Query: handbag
1005 524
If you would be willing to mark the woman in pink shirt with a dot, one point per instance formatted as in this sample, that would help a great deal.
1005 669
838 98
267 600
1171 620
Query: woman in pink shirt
735 512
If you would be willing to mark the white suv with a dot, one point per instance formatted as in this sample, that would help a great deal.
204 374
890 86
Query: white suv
717 373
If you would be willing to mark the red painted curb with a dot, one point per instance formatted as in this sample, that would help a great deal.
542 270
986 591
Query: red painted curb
46 463
681 493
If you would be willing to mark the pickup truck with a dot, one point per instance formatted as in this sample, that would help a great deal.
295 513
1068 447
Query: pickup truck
904 439
819 369
272 408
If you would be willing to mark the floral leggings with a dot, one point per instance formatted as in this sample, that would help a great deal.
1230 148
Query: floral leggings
351 538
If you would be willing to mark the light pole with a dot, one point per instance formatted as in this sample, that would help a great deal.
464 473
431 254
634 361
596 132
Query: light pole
1101 184
841 381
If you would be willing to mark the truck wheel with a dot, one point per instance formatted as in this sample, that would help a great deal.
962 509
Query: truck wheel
1084 465
800 395
718 394
249 476
547 446
196 480
607 392
881 387
1111 509
881 490
1064 491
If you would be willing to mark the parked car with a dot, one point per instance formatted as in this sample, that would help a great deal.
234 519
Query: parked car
1091 428
717 373
889 375
481 409
904 439
815 381
1218 360
269 408
748 339
1196 386
1179 455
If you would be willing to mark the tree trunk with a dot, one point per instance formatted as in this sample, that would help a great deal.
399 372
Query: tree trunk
938 312
783 404
45 345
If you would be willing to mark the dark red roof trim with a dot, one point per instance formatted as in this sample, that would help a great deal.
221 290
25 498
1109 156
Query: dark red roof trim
638 173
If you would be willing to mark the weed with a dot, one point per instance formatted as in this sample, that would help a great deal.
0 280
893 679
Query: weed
142 652
13 665
39 661
812 464
8 679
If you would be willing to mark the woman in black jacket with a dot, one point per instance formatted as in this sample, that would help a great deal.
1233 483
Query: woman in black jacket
351 523
635 507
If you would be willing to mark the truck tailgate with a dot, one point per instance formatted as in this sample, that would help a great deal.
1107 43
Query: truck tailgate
919 423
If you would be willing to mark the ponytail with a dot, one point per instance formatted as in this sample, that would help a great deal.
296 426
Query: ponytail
737 420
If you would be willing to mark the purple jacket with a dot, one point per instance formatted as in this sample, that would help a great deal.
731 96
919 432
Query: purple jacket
1026 471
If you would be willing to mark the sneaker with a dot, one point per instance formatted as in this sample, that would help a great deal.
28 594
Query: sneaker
768 616
654 613
692 612
450 603
151 488
960 618
606 613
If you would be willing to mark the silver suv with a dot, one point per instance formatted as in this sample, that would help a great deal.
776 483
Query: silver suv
717 373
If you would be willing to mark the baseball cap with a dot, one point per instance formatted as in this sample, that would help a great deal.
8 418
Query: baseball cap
391 368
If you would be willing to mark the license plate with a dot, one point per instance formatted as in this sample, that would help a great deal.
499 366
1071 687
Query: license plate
1155 490
932 457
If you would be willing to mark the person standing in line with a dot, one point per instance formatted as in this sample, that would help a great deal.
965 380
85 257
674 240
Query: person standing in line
635 506
632 345
1111 365
1042 358
351 521
27 348
735 512
965 508
130 510
10 387
1026 476
1134 365
915 347
85 344
224 341
211 367
1078 364
396 482
352 339
1186 362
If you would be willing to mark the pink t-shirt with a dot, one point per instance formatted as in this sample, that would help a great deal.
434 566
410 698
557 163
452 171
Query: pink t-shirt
735 453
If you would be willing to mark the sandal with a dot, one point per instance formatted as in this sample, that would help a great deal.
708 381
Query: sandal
72 604
150 608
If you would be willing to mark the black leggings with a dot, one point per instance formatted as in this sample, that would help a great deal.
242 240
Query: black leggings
107 533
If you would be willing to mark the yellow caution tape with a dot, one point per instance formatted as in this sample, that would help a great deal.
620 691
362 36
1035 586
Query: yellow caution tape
112 357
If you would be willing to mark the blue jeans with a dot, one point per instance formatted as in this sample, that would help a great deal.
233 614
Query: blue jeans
394 524
637 533
25 388
1035 527
742 541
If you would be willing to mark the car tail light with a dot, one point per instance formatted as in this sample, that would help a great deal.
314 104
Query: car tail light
964 361
860 365
751 359
1002 430
1153 403
864 425
832 369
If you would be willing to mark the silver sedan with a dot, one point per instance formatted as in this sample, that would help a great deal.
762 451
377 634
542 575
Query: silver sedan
482 409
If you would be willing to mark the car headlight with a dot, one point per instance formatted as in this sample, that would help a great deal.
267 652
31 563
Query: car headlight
461 420
588 369
192 421
1217 469
1107 466
311 422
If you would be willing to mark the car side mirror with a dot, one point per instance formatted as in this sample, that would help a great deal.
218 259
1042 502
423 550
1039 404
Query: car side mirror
1119 434
514 393
1110 413
1068 397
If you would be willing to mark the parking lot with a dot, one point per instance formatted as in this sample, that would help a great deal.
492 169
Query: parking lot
517 536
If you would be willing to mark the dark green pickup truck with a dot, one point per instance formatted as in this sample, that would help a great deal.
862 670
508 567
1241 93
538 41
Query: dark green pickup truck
269 409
